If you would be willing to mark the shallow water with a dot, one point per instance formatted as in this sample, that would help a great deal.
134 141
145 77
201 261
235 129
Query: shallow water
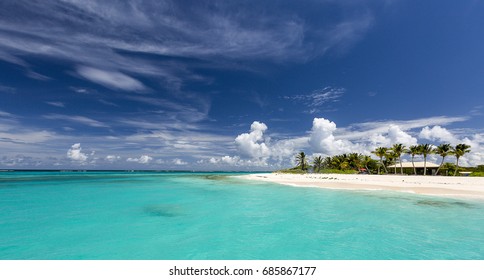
116 215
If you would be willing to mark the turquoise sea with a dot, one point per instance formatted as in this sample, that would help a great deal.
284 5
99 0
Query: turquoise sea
215 216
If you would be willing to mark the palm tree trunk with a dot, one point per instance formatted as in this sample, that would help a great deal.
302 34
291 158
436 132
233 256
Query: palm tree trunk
425 166
456 166
414 170
442 163
384 167
401 167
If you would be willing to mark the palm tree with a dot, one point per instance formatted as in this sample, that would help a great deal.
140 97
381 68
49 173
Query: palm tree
354 161
381 152
301 160
449 168
398 150
340 162
460 150
390 160
318 163
442 150
365 160
425 150
414 150
327 162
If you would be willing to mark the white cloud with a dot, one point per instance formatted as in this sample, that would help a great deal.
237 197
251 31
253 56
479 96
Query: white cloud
110 79
393 135
75 153
382 126
318 99
283 151
437 133
26 136
322 139
144 159
231 31
56 104
178 161
326 139
5 114
6 89
236 161
77 119
112 158
252 144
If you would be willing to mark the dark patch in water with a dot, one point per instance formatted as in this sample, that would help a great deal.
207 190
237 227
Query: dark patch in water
215 177
163 210
381 195
443 204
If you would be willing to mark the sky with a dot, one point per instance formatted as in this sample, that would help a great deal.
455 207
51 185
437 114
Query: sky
235 85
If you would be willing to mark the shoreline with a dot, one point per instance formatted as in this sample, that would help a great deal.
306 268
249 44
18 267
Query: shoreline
454 187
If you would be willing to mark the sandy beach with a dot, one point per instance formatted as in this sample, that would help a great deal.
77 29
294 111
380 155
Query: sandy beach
457 187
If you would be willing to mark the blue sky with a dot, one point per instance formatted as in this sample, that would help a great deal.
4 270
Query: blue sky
235 85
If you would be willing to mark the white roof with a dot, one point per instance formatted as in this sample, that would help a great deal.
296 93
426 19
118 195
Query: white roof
418 164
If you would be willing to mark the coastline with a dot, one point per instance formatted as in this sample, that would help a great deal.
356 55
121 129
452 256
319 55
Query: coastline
454 187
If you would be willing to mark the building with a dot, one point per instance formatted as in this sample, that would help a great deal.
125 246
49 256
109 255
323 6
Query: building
419 167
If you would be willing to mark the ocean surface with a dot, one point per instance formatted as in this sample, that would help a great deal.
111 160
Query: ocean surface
216 216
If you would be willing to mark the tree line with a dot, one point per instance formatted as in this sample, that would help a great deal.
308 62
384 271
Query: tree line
386 156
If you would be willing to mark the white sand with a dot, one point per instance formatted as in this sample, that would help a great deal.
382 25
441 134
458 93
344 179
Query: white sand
459 187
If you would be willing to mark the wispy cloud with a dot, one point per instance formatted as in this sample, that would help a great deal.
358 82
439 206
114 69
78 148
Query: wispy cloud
110 79
318 100
379 126
5 114
6 89
56 104
76 119
105 36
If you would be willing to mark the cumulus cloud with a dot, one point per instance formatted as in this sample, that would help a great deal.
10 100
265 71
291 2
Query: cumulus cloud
112 158
322 139
392 135
326 139
75 153
178 161
237 161
110 79
252 145
144 159
437 133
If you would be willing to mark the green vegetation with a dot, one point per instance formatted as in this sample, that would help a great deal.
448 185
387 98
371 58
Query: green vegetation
413 151
425 150
337 171
442 150
301 161
460 150
381 152
318 163
354 163
294 170
340 164
398 150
